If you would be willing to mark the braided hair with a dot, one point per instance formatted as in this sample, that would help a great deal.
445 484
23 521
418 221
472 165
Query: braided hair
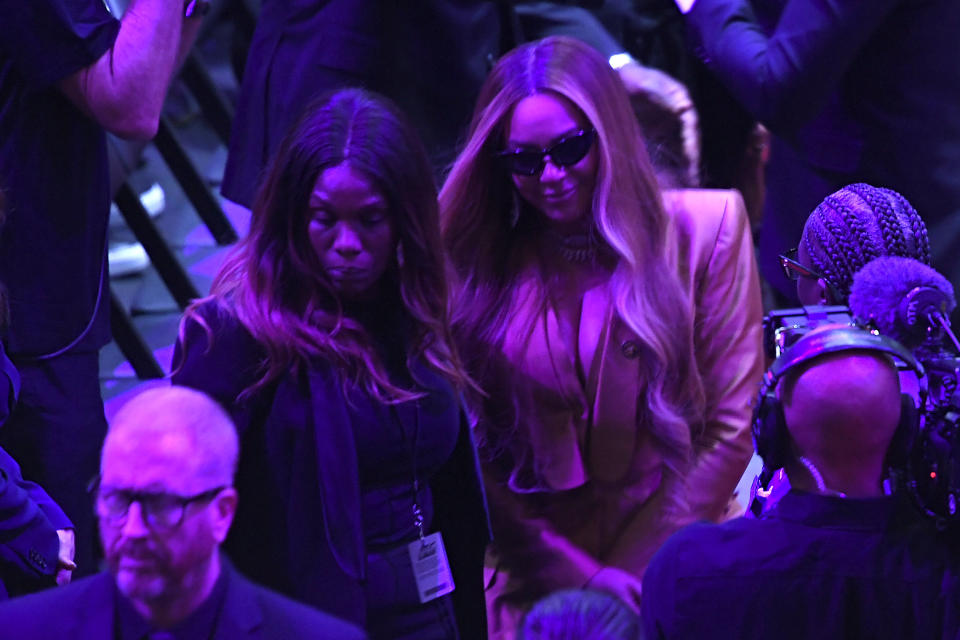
858 223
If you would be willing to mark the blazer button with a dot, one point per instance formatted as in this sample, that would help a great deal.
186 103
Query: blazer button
630 349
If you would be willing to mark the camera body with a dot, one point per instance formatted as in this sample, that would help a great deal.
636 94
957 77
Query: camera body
783 327
933 466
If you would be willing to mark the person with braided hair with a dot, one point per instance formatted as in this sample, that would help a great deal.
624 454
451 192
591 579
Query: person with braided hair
847 230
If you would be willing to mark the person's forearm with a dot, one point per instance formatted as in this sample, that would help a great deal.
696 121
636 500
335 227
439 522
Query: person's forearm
124 90
785 76
142 60
46 504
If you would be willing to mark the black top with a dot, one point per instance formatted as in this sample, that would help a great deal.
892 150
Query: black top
394 443
53 167
814 567
397 442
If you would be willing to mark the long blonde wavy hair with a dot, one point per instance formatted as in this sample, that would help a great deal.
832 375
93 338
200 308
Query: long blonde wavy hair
273 281
485 240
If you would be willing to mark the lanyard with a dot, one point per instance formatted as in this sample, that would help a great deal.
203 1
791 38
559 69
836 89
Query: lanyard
412 443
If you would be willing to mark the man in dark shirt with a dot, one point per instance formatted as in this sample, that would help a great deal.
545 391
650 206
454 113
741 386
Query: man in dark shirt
68 71
835 557
165 501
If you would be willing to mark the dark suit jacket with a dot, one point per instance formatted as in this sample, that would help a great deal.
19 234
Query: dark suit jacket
298 527
29 518
85 609
29 545
855 91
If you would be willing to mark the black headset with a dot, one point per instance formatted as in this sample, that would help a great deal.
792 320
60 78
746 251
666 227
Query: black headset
770 436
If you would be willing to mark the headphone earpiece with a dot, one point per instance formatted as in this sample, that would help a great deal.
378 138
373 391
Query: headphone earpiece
770 437
898 454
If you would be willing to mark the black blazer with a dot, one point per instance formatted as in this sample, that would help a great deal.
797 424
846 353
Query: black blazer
298 526
85 609
29 518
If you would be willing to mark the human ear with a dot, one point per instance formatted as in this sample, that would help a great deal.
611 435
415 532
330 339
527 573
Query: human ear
224 508
824 290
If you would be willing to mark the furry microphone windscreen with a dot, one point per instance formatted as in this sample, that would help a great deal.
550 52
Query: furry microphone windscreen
901 295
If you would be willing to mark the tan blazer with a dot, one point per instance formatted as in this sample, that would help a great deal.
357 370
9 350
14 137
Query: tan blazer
590 492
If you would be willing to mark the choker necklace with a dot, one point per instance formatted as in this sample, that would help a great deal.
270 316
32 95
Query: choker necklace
579 247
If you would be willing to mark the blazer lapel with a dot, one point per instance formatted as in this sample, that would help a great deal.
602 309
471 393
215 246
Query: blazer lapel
337 471
614 381
241 616
551 398
95 606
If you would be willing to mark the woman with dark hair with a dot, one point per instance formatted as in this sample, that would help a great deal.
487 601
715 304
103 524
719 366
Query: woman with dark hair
326 335
614 329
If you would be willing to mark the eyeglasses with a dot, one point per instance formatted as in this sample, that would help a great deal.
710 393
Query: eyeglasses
567 151
160 511
793 269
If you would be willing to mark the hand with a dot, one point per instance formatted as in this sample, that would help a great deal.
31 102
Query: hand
65 563
619 583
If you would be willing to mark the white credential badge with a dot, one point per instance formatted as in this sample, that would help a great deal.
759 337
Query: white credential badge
431 569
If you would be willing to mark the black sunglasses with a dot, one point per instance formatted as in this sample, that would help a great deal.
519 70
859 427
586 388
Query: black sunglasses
794 271
566 151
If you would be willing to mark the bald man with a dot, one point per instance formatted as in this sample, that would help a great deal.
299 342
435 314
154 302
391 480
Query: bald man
835 557
165 501
841 411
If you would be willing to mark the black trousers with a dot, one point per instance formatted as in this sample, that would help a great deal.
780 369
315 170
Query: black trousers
55 433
